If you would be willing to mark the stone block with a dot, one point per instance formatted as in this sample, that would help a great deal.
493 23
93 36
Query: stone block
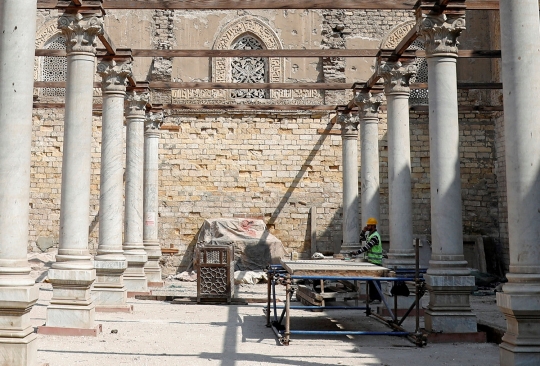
19 351
450 322
71 316
44 243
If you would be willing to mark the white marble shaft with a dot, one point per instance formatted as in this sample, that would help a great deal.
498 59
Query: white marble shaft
73 272
445 179
351 225
368 110
19 293
447 278
151 190
396 80
521 79
110 262
134 277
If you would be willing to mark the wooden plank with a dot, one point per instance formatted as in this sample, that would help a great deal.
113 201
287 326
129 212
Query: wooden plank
57 84
288 86
461 108
367 52
95 107
249 107
268 4
465 86
108 43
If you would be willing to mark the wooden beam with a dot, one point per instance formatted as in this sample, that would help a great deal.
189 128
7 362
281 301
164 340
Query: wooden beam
462 108
57 84
200 85
257 53
269 4
248 4
108 43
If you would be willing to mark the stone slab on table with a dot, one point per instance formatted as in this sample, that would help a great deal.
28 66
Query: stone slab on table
334 267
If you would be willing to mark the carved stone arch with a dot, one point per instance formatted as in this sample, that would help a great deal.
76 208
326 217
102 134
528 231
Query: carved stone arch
257 28
46 33
396 34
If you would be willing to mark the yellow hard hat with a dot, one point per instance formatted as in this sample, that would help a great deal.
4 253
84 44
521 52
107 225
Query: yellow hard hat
371 221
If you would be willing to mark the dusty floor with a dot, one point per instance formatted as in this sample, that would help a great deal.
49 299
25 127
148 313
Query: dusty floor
161 333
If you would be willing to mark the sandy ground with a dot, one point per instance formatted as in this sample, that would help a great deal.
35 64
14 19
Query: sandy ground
162 333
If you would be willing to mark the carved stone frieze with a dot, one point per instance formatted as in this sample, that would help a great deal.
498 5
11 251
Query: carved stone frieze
396 76
80 31
349 125
137 102
397 34
153 122
440 33
368 104
114 75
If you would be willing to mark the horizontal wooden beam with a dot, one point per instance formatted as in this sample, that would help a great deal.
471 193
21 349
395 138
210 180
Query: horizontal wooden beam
268 53
107 43
246 4
269 4
224 107
200 85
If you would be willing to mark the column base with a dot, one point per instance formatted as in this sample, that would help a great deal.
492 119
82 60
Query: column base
153 273
114 309
19 351
449 310
71 316
73 332
110 296
133 294
520 343
136 284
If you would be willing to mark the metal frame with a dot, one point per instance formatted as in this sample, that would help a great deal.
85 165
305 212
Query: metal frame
278 275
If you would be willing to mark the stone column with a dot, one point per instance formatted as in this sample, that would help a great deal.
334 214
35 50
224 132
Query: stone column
110 262
151 203
73 273
19 293
447 279
396 81
134 278
368 111
521 77
351 225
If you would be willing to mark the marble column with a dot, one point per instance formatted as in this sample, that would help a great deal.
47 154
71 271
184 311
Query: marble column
152 247
110 262
368 111
519 300
396 88
19 293
73 272
447 278
351 225
134 277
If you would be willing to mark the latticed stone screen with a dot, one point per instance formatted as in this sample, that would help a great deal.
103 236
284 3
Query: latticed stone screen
54 68
248 69
419 96
215 272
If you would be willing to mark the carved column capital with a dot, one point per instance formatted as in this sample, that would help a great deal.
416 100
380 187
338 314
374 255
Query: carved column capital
368 104
114 75
440 34
153 122
396 76
349 125
80 31
136 104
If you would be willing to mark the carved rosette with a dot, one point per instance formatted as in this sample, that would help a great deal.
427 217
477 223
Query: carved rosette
349 125
396 76
440 34
80 31
136 106
368 105
153 123
114 75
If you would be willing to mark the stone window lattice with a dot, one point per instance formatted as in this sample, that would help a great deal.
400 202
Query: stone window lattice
54 68
419 96
248 69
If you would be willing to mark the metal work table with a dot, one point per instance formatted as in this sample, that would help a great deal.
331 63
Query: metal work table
347 272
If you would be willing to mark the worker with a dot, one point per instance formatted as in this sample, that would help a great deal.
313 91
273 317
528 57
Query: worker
373 252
